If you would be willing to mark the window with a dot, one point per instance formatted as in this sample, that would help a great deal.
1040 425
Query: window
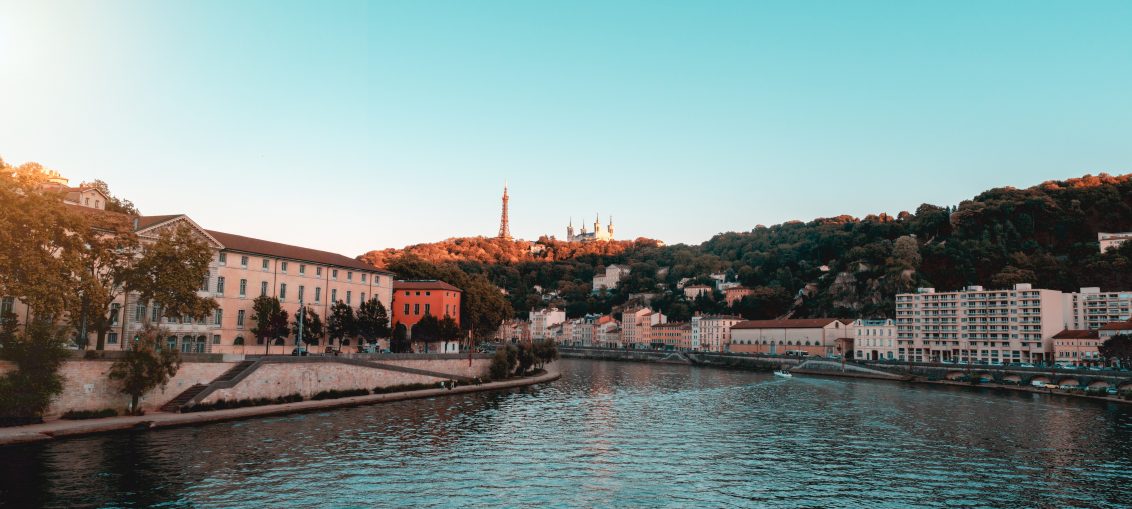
265 264
428 293
416 309
216 339
349 276
7 304
282 291
334 274
263 288
283 266
223 258
243 261
219 319
220 285
301 288
318 294
240 318
154 314
139 312
363 299
406 309
243 287
334 295
318 271
348 297
204 284
302 269
112 338
428 309
363 278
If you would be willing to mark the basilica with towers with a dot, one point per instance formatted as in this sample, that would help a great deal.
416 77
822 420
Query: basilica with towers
598 233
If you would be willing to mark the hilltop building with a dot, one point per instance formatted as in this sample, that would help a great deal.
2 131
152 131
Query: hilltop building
598 233
1112 240
610 278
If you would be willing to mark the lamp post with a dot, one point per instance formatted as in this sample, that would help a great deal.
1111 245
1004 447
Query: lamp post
299 336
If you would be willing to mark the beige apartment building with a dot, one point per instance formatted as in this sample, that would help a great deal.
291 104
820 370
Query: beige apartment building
805 336
1091 308
874 339
712 333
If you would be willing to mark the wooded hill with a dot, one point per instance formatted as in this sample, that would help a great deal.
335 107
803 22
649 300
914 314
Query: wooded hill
840 266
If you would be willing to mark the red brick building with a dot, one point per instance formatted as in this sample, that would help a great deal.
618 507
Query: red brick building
412 300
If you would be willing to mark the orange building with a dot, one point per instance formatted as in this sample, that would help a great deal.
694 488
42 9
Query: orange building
414 299
736 293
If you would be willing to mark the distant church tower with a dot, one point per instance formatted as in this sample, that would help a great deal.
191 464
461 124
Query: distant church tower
504 227
570 231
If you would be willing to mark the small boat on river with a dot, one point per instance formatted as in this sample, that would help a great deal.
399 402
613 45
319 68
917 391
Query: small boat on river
783 373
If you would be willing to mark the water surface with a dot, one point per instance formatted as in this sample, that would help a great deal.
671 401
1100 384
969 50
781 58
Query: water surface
616 435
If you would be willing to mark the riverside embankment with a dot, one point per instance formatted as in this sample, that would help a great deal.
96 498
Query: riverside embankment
65 428
1070 383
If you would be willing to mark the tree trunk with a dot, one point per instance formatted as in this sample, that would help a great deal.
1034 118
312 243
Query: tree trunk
134 404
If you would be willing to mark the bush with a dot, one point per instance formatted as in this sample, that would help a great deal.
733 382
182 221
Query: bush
404 388
502 363
225 404
335 394
77 415
27 392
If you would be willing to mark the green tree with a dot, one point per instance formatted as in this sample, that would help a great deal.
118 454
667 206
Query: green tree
502 363
313 329
341 324
400 342
270 321
1117 348
41 241
145 366
9 326
426 330
372 320
38 353
170 271
448 329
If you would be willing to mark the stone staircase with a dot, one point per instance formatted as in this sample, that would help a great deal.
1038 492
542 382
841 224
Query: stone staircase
234 371
175 404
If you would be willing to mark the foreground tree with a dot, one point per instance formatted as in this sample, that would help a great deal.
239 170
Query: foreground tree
372 321
26 392
169 273
146 366
1117 348
426 330
312 326
270 321
341 324
400 341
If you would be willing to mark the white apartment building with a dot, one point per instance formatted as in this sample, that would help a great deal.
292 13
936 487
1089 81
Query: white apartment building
542 320
874 339
1091 309
712 333
978 325
610 278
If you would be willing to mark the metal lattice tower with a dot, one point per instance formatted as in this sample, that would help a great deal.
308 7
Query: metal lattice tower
504 227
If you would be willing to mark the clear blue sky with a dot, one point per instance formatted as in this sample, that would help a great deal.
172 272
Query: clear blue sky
358 125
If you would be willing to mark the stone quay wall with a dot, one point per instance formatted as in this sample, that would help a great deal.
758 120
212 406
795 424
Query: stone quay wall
273 380
87 385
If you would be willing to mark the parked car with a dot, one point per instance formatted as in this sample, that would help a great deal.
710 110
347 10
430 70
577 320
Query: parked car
1025 365
1038 384
1112 391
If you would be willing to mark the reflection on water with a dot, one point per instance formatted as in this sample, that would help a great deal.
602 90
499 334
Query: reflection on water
616 435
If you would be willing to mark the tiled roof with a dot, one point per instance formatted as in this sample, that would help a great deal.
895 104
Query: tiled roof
424 285
148 221
1077 334
266 247
100 218
799 323
1117 326
721 317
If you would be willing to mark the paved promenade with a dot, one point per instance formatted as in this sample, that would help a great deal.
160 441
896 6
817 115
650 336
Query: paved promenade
156 420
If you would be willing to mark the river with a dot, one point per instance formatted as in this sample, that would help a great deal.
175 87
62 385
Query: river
612 434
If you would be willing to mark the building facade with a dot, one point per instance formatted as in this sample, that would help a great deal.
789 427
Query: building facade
671 336
736 293
1112 240
598 233
542 320
1077 347
810 336
712 333
412 300
1091 308
874 339
609 279
636 325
